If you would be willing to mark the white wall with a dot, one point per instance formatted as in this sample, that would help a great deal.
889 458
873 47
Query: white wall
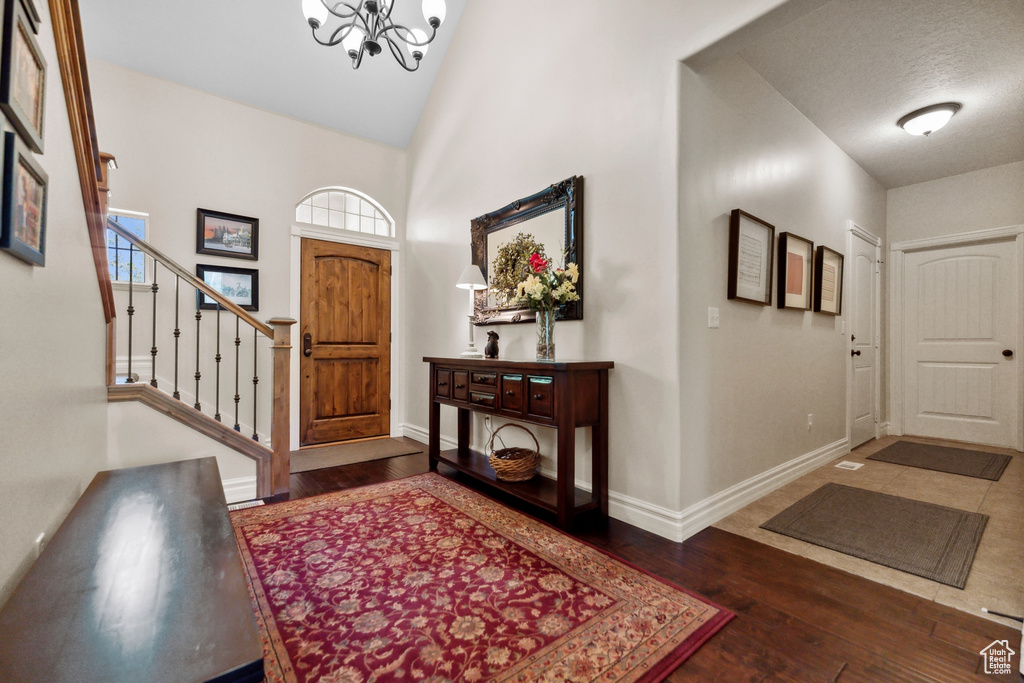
990 198
505 121
748 387
53 407
179 149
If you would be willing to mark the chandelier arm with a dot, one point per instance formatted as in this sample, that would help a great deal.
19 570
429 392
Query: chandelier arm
399 54
398 29
334 39
352 11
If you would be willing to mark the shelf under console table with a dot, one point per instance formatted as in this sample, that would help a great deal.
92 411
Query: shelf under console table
564 395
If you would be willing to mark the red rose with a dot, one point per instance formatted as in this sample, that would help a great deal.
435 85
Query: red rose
538 263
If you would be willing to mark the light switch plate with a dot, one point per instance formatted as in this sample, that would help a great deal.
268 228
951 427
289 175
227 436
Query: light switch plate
712 317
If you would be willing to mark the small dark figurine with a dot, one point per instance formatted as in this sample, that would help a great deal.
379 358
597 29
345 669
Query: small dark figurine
491 348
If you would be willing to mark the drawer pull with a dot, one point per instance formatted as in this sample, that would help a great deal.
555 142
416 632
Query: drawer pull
459 386
442 384
538 397
509 392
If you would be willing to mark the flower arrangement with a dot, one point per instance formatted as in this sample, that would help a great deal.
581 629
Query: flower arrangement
546 289
511 265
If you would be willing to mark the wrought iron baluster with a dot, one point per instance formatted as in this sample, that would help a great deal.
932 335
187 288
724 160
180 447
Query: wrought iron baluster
216 398
152 351
131 308
177 335
255 381
238 343
199 318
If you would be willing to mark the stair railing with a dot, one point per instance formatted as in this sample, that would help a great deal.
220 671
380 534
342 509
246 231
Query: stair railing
273 472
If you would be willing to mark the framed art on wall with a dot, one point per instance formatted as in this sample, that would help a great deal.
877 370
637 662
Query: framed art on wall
796 260
227 234
239 285
23 74
751 241
24 202
828 281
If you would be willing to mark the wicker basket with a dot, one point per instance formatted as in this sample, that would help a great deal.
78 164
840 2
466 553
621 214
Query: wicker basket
514 464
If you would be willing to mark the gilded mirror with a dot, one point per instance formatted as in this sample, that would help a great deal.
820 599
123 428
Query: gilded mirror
551 220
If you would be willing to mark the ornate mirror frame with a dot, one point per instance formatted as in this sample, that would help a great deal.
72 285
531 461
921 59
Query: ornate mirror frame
565 196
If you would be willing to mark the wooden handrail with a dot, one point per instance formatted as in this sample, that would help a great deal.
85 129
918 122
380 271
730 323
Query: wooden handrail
225 303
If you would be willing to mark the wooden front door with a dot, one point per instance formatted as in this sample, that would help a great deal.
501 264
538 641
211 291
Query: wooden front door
345 366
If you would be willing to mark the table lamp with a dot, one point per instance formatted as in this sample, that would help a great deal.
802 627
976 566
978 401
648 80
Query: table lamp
473 280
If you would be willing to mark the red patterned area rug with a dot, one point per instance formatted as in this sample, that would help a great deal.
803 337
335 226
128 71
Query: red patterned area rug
422 579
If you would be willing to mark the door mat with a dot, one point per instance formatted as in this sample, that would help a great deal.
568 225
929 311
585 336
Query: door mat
349 453
422 579
925 456
924 539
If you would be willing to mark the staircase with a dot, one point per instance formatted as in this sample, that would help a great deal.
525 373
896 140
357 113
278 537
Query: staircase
199 407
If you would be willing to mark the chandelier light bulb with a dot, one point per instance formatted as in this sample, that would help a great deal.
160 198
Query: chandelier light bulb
434 9
930 119
418 36
315 11
352 42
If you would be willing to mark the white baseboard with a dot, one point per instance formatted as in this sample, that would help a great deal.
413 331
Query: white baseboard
237 490
883 429
680 525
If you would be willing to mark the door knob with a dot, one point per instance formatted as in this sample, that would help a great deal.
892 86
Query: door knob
1007 353
307 345
855 352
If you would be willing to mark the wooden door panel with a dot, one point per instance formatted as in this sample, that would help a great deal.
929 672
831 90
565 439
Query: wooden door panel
863 315
346 309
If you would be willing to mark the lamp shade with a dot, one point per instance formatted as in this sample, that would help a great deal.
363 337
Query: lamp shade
471 278
315 11
929 119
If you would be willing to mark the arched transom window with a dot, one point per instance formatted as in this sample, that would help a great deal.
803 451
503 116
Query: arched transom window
338 207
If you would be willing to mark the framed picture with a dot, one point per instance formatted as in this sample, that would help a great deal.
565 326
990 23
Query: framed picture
796 260
751 243
240 285
22 75
25 191
828 281
226 234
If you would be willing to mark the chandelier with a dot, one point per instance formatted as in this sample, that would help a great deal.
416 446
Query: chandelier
366 27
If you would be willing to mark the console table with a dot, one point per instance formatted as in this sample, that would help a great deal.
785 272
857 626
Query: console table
563 395
142 582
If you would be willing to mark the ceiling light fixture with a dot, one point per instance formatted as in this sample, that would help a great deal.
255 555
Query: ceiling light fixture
366 27
929 119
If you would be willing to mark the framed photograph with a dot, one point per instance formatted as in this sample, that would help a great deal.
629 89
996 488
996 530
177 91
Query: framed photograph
25 192
796 260
226 234
22 75
240 285
751 245
828 281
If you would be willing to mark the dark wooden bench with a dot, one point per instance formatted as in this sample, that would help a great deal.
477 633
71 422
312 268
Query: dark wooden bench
142 582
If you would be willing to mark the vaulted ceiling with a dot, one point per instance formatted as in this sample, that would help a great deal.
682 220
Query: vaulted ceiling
853 67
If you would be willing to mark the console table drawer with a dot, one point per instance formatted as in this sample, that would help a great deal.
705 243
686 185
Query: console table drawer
511 389
460 385
540 396
487 379
443 383
480 399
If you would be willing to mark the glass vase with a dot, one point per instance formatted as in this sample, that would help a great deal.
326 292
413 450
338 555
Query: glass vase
546 334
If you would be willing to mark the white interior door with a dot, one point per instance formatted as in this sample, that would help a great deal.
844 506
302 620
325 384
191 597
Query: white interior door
863 317
961 316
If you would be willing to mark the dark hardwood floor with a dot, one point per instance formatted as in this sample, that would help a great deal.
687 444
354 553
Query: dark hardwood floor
797 620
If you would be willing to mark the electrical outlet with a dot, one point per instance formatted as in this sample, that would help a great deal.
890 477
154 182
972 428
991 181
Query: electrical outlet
810 420
713 318
40 543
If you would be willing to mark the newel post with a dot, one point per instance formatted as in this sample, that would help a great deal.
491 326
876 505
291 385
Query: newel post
280 441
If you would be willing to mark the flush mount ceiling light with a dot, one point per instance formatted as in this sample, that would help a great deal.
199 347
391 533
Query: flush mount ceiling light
929 119
365 27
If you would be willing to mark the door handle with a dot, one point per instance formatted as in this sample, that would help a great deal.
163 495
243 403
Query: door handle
1007 353
855 352
307 345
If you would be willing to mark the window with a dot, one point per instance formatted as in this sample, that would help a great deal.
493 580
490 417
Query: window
345 210
127 264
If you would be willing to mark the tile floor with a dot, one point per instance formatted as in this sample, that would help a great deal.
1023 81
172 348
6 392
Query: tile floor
996 580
